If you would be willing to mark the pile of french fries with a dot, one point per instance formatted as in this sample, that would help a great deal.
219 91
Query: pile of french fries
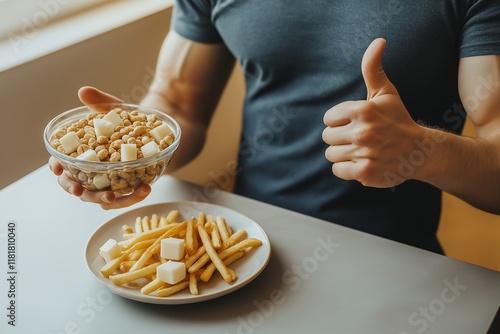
210 245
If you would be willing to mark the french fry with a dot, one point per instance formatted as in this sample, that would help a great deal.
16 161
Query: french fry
126 265
172 216
199 263
234 238
191 236
136 254
145 224
240 246
208 272
152 234
210 245
172 289
221 267
130 276
215 234
153 286
204 258
201 218
163 220
194 257
228 227
193 284
232 273
154 221
138 225
221 224
153 250
127 229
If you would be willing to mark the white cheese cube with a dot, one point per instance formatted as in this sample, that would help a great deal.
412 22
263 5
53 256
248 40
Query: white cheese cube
172 248
113 118
88 155
103 127
150 149
171 272
160 132
101 181
70 142
110 250
128 152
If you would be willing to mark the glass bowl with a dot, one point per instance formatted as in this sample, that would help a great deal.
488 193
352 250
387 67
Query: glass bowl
120 177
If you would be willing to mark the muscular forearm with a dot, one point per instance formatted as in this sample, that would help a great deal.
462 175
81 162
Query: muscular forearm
468 168
189 80
193 133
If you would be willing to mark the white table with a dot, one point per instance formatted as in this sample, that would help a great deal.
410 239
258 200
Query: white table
357 284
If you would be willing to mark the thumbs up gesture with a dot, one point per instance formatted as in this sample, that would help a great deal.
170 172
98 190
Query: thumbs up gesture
369 137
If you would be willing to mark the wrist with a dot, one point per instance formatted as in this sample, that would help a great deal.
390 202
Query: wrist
428 146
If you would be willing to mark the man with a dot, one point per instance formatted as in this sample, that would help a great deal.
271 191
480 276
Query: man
392 128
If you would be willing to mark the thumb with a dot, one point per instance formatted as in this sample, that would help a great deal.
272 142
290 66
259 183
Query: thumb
377 82
90 95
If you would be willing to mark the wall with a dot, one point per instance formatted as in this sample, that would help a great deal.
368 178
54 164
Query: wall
120 61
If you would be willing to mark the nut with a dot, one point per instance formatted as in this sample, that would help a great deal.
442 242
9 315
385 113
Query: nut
135 130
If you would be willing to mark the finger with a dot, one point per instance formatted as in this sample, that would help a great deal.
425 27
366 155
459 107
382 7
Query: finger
68 184
345 112
137 196
377 82
91 95
338 115
341 153
55 166
345 170
339 135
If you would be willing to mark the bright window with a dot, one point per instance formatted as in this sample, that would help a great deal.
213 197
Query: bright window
28 16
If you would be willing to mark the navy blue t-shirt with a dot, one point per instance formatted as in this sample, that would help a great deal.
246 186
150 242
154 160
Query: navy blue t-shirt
300 58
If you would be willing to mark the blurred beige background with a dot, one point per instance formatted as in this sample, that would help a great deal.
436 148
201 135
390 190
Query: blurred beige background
121 62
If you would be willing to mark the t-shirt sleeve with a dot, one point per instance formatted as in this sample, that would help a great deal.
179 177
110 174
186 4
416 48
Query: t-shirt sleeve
192 20
481 29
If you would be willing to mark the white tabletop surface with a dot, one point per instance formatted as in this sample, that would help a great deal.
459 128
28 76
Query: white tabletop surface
321 278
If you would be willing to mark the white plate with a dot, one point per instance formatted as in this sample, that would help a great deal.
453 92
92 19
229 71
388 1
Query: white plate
246 269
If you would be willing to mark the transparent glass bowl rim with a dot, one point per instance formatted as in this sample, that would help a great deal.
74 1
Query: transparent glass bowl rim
77 113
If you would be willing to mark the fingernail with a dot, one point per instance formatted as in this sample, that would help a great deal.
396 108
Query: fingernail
143 191
105 199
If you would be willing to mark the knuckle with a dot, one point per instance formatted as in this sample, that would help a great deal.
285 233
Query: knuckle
364 135
365 110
